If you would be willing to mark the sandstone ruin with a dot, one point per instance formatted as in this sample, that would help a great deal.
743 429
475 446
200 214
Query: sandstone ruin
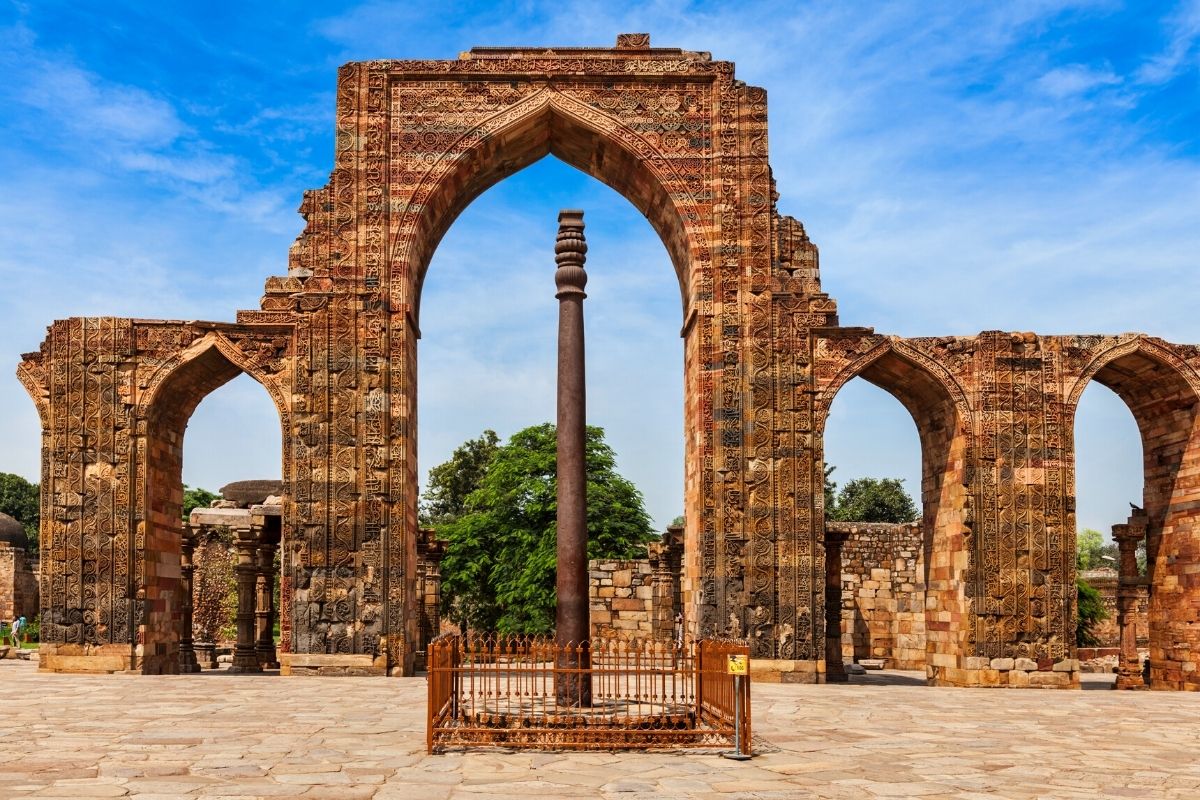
335 344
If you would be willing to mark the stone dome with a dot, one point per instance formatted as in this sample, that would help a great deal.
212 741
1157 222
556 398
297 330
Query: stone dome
13 532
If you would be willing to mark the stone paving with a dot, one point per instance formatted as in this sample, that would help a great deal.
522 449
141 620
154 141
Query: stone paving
222 735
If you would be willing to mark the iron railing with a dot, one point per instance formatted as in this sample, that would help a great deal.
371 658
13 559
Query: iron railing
646 694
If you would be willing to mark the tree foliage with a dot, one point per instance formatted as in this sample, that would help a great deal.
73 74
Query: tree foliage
197 498
1090 612
873 500
1090 550
830 491
21 500
450 483
498 573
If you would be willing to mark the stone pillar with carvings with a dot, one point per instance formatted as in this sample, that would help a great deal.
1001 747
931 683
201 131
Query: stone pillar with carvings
264 611
1128 537
245 544
187 571
835 668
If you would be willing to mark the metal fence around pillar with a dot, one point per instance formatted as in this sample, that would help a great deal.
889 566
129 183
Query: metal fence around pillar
646 694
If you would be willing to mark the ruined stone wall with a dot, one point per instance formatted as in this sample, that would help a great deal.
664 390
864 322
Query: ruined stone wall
214 588
622 595
18 586
1104 581
883 593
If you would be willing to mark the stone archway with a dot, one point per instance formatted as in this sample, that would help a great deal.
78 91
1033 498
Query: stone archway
171 394
1163 394
940 409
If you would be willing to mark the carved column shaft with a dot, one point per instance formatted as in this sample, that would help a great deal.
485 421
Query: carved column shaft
1129 668
187 571
835 669
264 612
572 628
245 543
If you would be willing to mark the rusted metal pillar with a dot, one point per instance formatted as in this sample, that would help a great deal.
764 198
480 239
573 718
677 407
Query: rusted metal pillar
835 668
1129 668
573 681
264 612
245 654
187 571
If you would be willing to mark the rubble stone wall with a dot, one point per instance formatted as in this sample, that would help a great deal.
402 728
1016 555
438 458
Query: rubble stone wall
18 585
883 593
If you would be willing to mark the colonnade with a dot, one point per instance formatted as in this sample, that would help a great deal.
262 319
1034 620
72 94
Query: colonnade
255 544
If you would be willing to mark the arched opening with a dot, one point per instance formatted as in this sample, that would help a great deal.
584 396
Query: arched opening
1164 403
870 436
168 541
943 533
547 124
1108 480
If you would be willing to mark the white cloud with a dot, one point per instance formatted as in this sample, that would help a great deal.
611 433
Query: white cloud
1076 79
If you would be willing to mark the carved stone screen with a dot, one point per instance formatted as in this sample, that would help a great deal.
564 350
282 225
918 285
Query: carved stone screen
335 344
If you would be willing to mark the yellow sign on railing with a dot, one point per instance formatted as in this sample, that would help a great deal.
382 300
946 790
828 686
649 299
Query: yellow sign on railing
738 664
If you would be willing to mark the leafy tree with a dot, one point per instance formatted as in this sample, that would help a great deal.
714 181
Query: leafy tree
830 492
1090 613
21 500
679 521
197 498
451 482
1089 549
498 573
874 500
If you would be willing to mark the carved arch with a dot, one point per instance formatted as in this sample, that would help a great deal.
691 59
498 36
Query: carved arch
1141 345
936 372
549 121
204 346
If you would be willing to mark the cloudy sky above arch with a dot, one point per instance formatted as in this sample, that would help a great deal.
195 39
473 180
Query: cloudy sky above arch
1024 166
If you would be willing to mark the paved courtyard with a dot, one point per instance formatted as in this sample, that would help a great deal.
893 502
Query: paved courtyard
221 735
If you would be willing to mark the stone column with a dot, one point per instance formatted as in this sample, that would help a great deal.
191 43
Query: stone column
572 624
264 611
187 571
245 544
1129 669
835 668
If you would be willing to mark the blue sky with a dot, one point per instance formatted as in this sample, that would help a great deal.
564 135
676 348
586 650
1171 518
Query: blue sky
1020 165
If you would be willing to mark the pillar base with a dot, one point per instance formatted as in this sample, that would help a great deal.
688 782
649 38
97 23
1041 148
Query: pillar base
245 663
206 655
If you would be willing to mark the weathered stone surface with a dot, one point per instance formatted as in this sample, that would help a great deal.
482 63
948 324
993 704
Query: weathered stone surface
250 493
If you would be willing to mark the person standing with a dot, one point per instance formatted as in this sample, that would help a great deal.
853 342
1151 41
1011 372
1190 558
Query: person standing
15 633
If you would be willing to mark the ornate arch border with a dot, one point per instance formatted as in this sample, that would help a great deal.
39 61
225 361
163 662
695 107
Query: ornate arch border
1145 345
403 240
890 344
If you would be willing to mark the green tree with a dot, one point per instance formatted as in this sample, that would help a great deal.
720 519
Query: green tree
197 498
498 572
21 500
1089 549
1089 613
874 500
830 492
450 483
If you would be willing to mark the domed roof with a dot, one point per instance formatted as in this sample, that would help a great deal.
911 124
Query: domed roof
13 532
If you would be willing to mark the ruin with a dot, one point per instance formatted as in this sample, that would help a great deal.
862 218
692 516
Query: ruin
18 572
335 344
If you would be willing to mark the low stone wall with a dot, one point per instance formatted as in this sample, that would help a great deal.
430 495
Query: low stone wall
883 593
622 595
18 585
